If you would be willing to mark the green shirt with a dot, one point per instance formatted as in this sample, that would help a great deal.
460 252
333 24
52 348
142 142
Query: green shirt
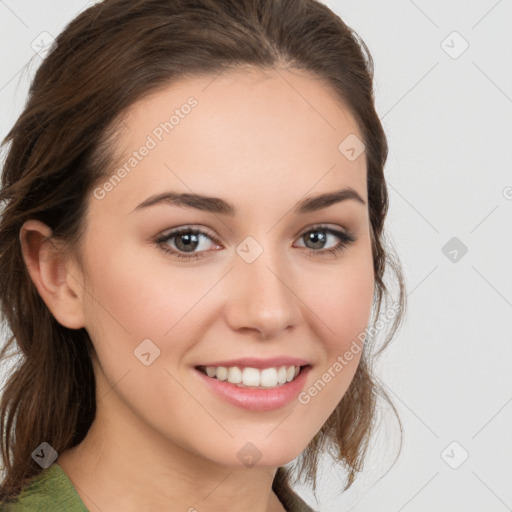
52 491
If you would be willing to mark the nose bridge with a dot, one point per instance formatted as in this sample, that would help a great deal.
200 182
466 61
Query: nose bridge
263 297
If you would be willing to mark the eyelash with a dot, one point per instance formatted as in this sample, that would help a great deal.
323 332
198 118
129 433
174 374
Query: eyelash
345 237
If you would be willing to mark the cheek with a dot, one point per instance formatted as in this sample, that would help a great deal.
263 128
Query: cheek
344 302
342 299
131 301
129 294
342 307
354 300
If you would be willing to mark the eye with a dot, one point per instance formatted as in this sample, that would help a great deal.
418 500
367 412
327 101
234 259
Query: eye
318 236
187 239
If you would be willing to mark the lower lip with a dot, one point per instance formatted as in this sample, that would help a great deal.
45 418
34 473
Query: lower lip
258 399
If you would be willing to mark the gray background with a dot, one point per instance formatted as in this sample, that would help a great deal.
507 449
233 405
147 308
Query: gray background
448 119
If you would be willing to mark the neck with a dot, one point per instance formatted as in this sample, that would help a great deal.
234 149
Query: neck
122 464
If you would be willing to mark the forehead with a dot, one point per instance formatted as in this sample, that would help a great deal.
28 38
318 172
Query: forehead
241 131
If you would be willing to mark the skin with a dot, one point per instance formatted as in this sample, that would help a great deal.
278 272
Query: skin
162 440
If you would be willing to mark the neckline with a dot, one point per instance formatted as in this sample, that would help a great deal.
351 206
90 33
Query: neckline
283 492
60 471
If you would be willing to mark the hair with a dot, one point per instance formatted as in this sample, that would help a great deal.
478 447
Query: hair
110 56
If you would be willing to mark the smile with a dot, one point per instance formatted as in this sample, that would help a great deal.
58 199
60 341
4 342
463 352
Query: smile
252 377
267 389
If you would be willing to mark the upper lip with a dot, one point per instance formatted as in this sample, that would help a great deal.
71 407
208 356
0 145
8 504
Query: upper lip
254 362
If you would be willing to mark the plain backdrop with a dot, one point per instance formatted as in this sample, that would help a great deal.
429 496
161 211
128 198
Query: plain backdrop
443 85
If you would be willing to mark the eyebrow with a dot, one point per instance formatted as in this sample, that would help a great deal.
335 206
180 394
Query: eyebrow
220 206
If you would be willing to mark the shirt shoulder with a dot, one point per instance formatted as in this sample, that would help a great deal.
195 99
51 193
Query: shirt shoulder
49 490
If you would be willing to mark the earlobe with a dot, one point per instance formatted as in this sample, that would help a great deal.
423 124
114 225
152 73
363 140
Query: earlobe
48 268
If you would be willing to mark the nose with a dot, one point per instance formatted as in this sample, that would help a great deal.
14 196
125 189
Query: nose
262 298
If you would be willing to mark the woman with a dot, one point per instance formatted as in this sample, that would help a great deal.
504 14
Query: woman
192 250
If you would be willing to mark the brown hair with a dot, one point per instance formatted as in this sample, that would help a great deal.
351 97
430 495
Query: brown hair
113 54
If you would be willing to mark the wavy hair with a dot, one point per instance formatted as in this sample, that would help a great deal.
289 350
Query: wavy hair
113 54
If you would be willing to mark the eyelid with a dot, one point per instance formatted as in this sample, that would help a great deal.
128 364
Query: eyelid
344 235
203 230
186 229
324 226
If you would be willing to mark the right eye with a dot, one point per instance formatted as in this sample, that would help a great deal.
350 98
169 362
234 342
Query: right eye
186 239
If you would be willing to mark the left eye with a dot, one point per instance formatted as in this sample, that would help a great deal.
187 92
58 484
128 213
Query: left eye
187 239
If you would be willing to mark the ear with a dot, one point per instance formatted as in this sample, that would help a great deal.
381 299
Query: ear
58 284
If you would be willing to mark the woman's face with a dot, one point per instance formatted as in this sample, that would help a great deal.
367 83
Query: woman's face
262 283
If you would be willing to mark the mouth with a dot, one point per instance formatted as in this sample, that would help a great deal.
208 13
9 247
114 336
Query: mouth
265 388
255 378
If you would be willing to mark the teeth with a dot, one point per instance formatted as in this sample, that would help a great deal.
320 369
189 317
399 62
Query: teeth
234 375
253 377
221 373
269 377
